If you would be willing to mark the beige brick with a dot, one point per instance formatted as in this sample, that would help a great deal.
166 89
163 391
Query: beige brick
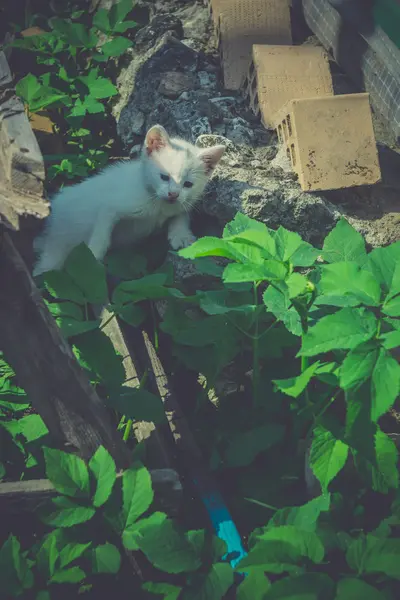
330 141
244 23
278 74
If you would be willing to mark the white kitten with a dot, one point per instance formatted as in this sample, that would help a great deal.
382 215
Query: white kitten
138 196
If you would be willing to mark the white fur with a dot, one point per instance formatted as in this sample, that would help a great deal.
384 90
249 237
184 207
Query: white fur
128 201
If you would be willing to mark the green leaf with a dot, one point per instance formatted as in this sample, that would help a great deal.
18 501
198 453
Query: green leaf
47 555
208 246
387 459
139 405
71 328
391 340
303 517
149 287
345 329
97 352
305 255
383 262
244 447
122 27
254 587
167 548
279 304
203 542
101 20
77 34
271 557
287 242
119 11
358 365
327 456
115 47
135 530
385 384
67 472
103 467
106 559
27 88
68 517
88 274
100 88
166 590
61 285
269 270
72 552
305 543
72 575
46 97
392 307
65 309
132 314
297 285
344 243
310 586
32 427
350 284
137 493
372 554
294 386
212 586
15 573
352 588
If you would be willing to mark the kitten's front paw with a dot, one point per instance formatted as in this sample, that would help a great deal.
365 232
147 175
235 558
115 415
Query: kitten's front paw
181 241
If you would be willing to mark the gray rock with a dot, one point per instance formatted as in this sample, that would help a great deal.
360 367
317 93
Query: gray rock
158 26
174 83
200 127
239 131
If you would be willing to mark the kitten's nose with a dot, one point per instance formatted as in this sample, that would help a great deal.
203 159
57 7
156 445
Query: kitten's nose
172 196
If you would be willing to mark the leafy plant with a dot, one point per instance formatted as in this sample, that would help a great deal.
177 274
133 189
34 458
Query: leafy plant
73 89
311 336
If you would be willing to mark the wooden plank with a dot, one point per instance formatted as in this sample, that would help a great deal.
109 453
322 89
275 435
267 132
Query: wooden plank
22 170
28 496
156 450
45 366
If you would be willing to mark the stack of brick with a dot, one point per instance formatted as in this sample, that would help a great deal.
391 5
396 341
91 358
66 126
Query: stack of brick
329 139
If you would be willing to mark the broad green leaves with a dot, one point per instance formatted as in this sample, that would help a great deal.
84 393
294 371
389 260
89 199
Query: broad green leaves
67 472
385 384
282 549
370 554
102 466
15 573
137 493
139 405
344 243
36 95
328 456
294 386
345 329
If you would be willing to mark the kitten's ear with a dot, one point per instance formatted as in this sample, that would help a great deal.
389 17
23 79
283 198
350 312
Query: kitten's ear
156 139
211 157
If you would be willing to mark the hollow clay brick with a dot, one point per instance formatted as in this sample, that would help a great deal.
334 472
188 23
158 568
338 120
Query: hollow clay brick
330 141
243 23
278 74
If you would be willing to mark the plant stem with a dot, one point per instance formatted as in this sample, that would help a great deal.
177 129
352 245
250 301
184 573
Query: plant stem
304 366
256 359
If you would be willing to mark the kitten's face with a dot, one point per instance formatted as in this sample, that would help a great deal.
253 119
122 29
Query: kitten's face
177 171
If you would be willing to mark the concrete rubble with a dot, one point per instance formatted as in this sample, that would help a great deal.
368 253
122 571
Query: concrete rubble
172 77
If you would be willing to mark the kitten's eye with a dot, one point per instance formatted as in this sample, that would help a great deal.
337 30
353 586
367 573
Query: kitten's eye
188 184
164 177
